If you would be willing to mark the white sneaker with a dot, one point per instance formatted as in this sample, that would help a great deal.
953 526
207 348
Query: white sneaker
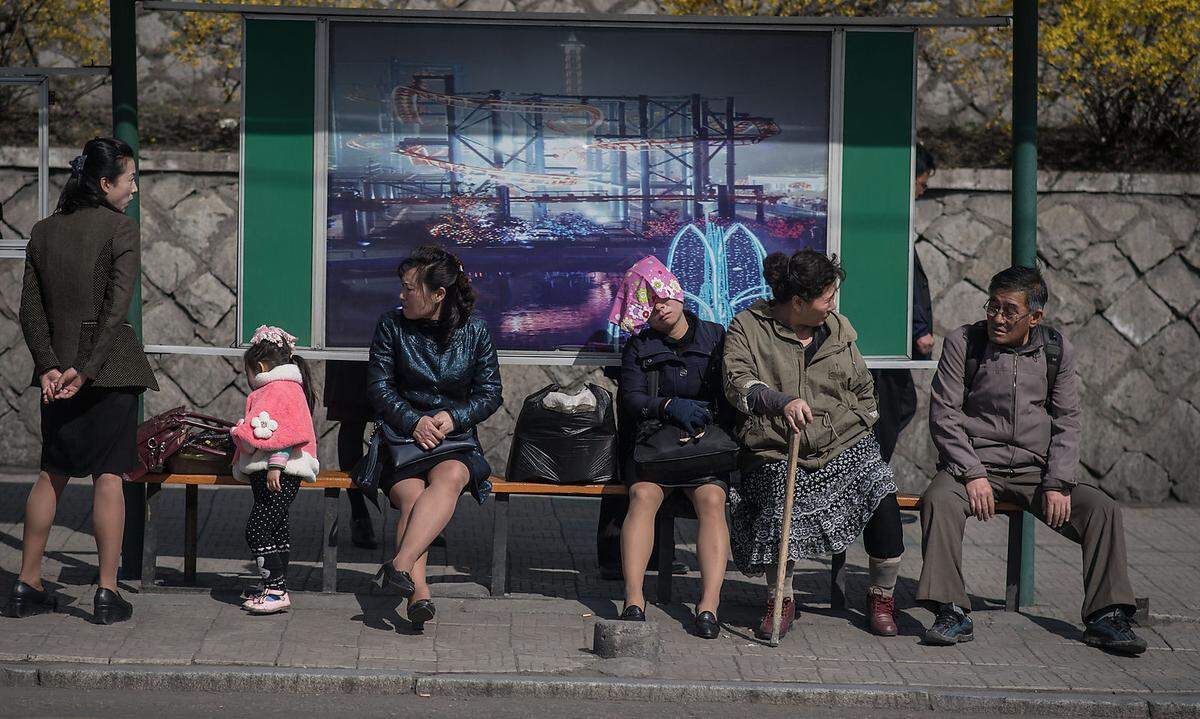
269 602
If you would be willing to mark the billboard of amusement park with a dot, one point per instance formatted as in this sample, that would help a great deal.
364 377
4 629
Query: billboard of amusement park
550 159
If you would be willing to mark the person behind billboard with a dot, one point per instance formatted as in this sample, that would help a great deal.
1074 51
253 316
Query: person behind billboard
792 365
895 388
432 374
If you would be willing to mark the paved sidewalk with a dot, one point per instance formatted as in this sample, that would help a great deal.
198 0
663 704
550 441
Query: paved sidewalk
545 626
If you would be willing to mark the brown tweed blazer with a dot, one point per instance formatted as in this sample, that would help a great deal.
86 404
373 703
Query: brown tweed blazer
80 273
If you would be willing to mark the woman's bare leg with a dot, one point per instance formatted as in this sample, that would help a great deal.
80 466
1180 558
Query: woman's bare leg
40 508
637 538
712 543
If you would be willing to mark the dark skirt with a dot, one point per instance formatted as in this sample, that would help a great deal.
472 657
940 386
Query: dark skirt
480 471
93 433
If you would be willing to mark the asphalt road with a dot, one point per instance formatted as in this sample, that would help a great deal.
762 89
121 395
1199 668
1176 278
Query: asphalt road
71 703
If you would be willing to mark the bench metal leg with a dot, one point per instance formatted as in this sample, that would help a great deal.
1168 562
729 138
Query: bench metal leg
190 510
664 536
1018 590
150 539
837 581
500 546
329 564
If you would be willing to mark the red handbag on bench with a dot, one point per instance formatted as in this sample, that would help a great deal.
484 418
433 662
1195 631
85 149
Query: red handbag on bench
184 442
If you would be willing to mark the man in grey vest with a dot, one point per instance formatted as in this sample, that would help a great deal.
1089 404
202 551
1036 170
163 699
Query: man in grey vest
1005 417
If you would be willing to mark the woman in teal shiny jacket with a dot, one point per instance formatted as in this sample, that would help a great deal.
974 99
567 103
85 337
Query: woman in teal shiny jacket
433 372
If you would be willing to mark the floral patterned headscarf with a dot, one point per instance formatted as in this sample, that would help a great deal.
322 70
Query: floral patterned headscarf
647 279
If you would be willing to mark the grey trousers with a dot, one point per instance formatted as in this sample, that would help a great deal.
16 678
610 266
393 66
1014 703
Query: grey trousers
1095 525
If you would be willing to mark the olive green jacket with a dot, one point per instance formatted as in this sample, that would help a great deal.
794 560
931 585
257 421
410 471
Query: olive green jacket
836 385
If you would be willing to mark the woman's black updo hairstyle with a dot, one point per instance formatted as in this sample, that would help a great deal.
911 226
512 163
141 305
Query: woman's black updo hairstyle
438 268
102 157
806 274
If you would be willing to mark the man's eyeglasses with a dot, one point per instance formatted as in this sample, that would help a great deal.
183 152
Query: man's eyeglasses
991 309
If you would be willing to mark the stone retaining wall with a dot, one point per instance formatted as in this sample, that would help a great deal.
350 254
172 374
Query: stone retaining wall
1121 253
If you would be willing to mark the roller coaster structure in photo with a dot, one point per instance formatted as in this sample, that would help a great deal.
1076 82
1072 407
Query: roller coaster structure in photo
493 146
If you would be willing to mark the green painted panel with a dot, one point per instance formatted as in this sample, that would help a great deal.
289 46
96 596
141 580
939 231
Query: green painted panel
876 187
277 176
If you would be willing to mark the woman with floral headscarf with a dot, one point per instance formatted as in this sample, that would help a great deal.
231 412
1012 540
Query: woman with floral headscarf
684 352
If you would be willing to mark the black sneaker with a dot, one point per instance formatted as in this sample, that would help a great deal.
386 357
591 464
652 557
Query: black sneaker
1114 632
951 626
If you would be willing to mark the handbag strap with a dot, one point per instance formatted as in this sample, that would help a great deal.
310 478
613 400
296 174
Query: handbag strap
652 382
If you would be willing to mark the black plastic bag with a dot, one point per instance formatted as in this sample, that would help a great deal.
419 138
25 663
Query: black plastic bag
561 447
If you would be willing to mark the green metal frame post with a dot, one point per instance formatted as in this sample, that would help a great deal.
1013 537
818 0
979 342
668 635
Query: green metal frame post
123 69
1024 194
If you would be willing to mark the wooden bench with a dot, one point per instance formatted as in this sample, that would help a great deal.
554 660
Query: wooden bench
331 483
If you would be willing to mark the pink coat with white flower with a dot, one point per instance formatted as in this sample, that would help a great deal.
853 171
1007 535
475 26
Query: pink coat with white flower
277 421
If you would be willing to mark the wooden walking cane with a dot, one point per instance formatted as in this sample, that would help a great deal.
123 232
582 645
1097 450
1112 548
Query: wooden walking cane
785 536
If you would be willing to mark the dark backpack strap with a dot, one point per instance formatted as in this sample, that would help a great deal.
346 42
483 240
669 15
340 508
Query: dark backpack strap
976 349
1052 344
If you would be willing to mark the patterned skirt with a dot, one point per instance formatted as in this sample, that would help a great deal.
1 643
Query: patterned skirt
830 508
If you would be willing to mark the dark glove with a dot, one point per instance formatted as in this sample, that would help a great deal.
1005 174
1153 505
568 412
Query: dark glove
688 414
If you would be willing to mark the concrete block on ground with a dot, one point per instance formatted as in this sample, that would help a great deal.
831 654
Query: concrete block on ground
638 640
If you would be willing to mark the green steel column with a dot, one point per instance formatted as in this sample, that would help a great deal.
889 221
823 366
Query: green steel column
123 68
1024 193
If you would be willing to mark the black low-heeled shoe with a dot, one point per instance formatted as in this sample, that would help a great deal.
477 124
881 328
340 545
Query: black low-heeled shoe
25 601
402 582
707 626
108 607
633 613
421 611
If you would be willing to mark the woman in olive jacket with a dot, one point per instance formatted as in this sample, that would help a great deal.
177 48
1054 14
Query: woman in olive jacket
791 364
82 266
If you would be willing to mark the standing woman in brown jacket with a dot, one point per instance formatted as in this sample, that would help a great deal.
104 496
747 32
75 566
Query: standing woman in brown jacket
82 266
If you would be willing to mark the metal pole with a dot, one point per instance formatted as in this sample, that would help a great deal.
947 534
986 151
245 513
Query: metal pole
1024 194
123 46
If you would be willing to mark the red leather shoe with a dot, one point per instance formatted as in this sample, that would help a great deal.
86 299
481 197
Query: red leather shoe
881 613
787 616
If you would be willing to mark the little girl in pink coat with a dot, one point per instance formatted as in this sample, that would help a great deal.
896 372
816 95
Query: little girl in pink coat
275 450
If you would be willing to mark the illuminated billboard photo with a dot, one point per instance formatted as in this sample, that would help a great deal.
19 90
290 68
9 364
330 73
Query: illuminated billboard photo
551 159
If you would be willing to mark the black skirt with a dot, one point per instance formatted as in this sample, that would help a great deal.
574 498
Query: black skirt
93 433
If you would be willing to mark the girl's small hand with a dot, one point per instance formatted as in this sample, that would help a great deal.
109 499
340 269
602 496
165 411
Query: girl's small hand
273 480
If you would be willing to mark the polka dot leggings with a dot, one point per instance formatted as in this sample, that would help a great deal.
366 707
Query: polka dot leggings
267 527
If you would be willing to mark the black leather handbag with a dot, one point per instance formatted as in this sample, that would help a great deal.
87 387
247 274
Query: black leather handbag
666 454
388 448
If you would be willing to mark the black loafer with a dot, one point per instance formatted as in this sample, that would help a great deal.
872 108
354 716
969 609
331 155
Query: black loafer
110 608
25 601
633 613
421 611
402 582
707 626
362 534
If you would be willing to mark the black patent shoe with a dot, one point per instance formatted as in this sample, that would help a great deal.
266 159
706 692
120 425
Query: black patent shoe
707 626
421 611
633 613
362 533
25 601
110 608
1114 632
389 576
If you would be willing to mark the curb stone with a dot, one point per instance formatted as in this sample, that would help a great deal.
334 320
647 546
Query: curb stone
1183 706
347 681
207 679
